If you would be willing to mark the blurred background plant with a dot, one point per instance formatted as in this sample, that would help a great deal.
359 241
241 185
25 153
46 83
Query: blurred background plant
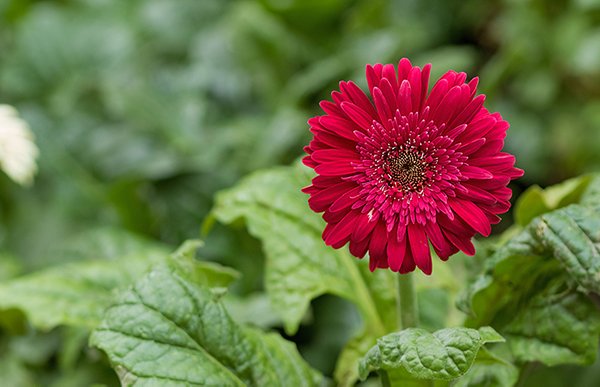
143 109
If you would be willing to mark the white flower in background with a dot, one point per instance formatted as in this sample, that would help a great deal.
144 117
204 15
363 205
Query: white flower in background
18 151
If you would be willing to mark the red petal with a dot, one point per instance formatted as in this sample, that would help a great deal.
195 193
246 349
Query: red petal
492 146
365 225
414 78
373 75
333 217
339 126
424 85
405 98
326 181
340 233
471 214
335 168
323 199
404 67
356 114
457 131
477 194
419 247
389 93
447 106
383 109
389 73
328 155
467 114
408 264
477 129
462 243
346 200
473 85
333 140
377 245
472 172
331 109
309 162
437 93
358 97
442 247
396 250
472 146
359 248
501 159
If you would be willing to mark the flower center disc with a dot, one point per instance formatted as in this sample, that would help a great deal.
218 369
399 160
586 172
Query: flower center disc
407 169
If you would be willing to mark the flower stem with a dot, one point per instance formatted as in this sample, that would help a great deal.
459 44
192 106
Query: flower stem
384 378
406 304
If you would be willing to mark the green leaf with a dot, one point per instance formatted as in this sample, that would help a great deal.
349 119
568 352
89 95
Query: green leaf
571 236
108 243
557 326
537 201
299 265
207 273
446 354
170 330
254 309
591 196
346 368
529 205
77 293
534 288
382 287
489 370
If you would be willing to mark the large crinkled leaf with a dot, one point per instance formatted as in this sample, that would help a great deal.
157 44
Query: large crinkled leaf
508 281
534 288
171 330
572 235
299 265
71 294
78 292
445 354
556 326
564 242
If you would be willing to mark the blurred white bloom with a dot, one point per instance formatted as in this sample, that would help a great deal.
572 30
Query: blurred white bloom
18 151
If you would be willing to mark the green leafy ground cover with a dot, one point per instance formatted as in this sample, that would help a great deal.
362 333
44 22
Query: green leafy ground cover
154 117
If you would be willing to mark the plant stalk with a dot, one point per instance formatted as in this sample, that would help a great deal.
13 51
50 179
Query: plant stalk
408 314
385 378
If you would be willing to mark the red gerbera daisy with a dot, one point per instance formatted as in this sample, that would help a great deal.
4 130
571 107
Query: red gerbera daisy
405 167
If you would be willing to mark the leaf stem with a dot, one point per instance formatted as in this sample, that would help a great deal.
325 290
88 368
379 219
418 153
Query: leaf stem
406 304
525 373
385 378
365 303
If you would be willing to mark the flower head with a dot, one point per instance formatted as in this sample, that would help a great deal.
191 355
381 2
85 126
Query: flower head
406 168
17 148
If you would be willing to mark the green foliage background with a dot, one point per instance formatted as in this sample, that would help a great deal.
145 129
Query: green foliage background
144 109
